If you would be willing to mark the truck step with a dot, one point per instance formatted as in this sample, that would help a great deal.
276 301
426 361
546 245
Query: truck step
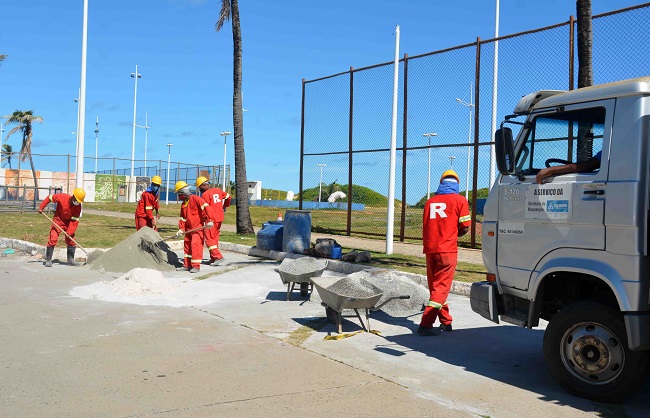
519 318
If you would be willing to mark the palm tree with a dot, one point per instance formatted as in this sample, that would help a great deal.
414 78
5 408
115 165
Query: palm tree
7 153
230 10
585 71
24 120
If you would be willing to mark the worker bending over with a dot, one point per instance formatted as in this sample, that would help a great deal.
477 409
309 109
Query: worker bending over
66 218
148 202
218 200
445 218
196 215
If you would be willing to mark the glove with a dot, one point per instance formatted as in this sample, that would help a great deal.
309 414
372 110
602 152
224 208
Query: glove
179 233
210 224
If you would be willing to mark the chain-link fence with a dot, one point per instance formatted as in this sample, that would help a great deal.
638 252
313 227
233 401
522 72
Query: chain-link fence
111 182
446 117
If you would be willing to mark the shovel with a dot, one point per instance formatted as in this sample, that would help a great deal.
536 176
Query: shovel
65 233
148 246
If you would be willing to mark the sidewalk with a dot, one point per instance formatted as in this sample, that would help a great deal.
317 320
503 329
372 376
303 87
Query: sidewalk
466 255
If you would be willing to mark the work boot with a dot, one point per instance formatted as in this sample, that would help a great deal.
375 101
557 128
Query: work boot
182 268
215 263
428 332
71 262
446 328
49 252
194 270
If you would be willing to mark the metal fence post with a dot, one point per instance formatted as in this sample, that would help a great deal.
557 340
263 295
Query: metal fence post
476 140
571 51
350 121
302 147
404 140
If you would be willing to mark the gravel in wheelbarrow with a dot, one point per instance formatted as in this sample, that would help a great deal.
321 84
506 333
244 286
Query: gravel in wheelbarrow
300 270
338 294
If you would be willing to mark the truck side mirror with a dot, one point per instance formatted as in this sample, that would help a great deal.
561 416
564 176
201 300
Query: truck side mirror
504 150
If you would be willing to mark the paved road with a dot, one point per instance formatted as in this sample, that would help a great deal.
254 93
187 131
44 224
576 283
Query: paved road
465 254
230 355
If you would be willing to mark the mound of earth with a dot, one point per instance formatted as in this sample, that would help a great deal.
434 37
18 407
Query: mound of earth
143 249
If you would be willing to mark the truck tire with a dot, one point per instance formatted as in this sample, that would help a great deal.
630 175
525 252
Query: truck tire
586 352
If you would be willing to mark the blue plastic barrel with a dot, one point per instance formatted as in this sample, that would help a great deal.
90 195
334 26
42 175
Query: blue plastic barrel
270 236
297 231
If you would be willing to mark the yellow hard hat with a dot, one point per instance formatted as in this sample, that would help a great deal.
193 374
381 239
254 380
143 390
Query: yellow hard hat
449 173
156 180
79 194
201 180
179 185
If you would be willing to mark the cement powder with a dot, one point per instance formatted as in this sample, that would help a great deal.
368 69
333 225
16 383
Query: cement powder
144 249
141 282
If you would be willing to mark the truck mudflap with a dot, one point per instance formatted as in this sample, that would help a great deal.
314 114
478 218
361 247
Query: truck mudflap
483 300
638 330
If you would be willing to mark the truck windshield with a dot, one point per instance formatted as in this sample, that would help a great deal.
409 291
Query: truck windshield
561 138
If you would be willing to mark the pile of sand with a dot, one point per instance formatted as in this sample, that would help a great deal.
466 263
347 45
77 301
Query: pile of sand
144 249
141 282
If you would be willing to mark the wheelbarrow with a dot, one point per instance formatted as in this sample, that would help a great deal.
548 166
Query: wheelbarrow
338 293
300 270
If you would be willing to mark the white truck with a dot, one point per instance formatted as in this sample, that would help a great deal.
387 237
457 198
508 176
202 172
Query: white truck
575 250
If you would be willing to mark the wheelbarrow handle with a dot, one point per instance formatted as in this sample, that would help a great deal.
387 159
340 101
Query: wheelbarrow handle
388 300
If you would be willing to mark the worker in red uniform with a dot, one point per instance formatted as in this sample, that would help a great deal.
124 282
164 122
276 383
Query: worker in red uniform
66 216
195 214
218 201
446 217
148 202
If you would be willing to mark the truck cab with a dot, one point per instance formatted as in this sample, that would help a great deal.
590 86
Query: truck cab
573 250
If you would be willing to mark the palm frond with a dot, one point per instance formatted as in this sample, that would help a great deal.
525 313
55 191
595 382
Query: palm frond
224 14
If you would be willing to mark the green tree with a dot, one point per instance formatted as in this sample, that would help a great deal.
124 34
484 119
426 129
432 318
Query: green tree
25 120
230 11
7 154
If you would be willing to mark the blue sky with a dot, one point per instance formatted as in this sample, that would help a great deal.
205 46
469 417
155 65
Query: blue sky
186 67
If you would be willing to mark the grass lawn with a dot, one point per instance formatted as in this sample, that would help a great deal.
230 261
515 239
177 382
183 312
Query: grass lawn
104 232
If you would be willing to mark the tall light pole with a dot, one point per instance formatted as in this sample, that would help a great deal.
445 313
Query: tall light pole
495 82
146 139
320 184
76 131
225 136
470 105
428 135
82 99
169 158
96 141
451 162
135 76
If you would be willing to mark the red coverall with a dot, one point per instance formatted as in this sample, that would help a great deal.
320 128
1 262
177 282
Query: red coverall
66 216
194 212
218 200
144 211
443 215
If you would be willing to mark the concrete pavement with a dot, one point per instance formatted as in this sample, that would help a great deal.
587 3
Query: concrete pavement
249 352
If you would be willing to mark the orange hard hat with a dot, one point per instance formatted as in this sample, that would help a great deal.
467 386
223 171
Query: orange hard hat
449 173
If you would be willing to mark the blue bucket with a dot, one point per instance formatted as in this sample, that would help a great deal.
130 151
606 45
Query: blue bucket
270 236
297 231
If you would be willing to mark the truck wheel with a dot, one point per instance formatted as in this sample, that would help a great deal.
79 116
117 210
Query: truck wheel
586 352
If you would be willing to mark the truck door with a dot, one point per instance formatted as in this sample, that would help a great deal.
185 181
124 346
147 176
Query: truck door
566 210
